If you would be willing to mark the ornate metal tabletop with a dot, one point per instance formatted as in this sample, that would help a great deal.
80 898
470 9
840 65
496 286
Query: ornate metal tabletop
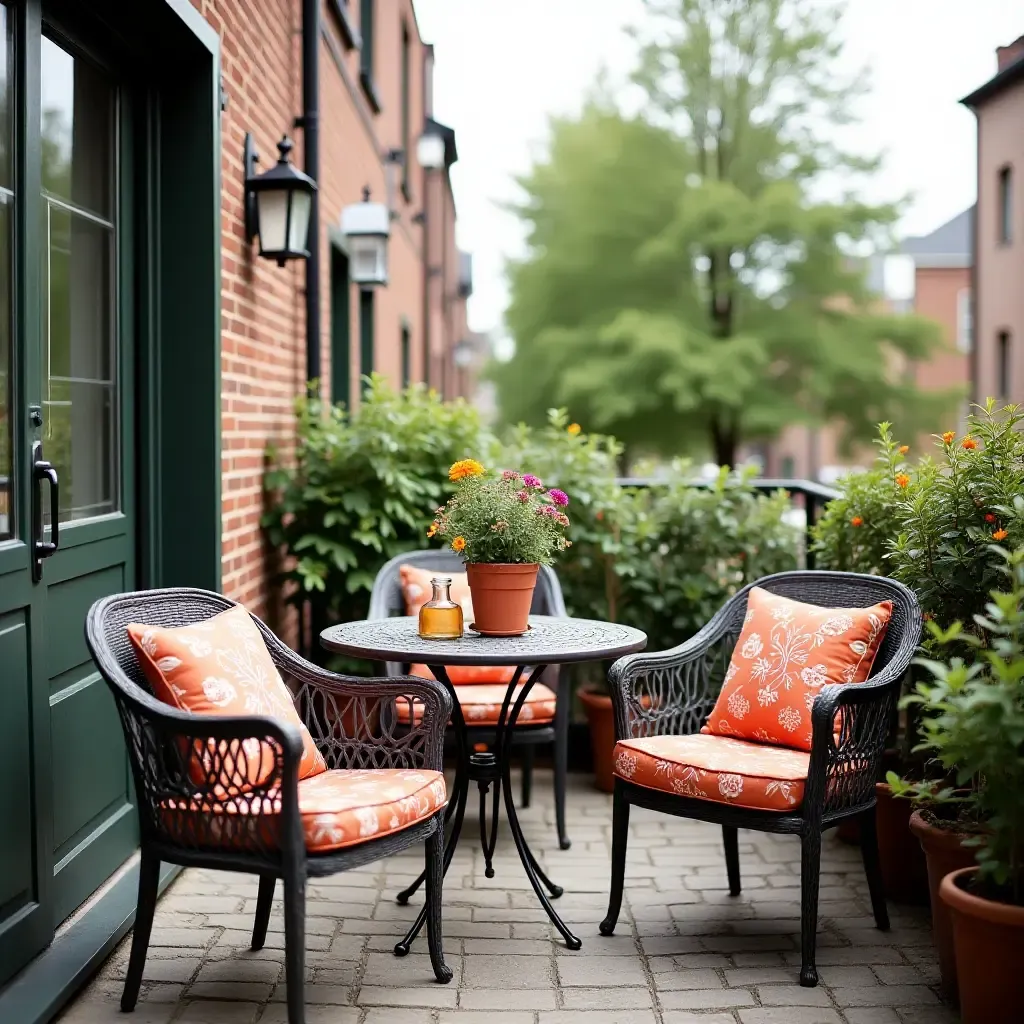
550 640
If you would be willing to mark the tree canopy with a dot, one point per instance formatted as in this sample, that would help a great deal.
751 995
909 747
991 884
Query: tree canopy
691 282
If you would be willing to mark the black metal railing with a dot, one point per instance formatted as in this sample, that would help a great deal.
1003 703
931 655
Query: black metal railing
807 495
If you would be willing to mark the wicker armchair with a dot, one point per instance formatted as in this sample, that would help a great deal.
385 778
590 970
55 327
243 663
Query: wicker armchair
386 600
671 693
193 823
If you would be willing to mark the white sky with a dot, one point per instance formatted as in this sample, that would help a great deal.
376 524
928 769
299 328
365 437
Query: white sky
501 69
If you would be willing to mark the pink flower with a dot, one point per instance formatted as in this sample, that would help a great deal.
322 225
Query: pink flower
509 474
523 496
558 497
529 480
548 511
562 519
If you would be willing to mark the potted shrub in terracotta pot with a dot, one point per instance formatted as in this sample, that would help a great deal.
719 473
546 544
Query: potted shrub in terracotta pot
974 725
505 525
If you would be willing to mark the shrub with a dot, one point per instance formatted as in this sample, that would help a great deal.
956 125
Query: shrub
363 488
973 723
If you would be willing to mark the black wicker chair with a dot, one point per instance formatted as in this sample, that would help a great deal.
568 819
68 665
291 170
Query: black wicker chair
673 692
353 723
386 600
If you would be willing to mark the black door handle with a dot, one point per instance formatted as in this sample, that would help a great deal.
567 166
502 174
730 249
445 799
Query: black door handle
43 470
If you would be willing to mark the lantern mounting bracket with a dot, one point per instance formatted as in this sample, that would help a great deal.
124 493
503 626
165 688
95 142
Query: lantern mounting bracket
250 158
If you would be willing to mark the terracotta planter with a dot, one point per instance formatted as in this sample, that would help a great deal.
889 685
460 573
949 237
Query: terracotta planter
502 595
989 941
601 720
943 852
904 874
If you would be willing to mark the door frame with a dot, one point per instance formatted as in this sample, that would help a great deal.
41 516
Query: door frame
177 385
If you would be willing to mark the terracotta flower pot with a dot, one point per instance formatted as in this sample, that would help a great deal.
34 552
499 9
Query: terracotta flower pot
502 595
904 874
989 941
601 720
943 852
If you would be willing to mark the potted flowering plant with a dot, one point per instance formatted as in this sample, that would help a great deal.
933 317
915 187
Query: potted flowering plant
505 526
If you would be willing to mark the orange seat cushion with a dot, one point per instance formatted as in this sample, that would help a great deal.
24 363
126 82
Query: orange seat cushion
221 666
339 808
416 590
786 652
719 768
481 704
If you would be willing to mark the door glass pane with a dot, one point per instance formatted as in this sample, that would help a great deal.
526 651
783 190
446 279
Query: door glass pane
77 130
79 368
6 203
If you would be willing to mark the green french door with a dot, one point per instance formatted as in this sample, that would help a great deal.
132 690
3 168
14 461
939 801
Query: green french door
67 507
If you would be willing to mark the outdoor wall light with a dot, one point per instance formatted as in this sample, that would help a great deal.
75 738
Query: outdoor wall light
430 151
277 204
367 227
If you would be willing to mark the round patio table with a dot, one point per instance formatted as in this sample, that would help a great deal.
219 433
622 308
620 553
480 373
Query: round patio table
550 640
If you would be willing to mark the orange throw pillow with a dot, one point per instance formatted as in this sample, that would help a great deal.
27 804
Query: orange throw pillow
417 591
221 666
786 652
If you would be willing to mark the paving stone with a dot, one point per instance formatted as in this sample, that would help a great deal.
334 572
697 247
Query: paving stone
598 1017
711 999
392 1015
700 977
253 991
792 995
886 995
202 1012
501 999
789 1015
606 998
107 1011
872 1015
443 996
600 972
278 1014
689 1017
737 977
476 1017
490 971
846 976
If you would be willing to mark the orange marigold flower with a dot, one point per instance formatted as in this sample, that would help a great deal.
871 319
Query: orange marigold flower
949 436
1000 535
574 429
856 521
463 468
904 448
902 479
432 530
989 517
459 545
969 443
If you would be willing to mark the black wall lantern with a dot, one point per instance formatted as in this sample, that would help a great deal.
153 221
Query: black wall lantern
277 204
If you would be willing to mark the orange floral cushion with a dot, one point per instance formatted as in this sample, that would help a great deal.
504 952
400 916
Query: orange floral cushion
481 704
719 768
416 590
221 666
785 653
339 808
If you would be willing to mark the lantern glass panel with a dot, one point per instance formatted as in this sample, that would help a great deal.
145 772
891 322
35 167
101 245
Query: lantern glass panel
430 151
368 259
272 211
298 229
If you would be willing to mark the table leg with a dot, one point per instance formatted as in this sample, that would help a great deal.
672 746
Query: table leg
454 813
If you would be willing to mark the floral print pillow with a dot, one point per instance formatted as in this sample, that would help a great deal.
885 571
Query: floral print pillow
786 652
221 666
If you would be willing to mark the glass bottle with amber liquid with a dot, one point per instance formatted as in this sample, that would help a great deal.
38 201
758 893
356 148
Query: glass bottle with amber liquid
441 617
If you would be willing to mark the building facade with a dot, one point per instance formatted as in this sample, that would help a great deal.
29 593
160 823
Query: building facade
999 235
149 357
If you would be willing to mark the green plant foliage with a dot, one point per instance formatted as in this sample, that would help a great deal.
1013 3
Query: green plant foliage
973 723
502 516
856 530
363 488
686 285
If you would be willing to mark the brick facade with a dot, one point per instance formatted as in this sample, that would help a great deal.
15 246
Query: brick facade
263 342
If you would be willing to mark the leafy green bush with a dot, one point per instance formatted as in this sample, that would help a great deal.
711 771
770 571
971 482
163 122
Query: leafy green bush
973 724
363 488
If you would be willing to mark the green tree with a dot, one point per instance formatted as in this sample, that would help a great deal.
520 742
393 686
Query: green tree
689 283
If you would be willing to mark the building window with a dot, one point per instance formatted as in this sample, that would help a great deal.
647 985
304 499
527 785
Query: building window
341 390
787 467
406 111
366 54
1003 364
406 356
366 329
1006 205
343 18
964 321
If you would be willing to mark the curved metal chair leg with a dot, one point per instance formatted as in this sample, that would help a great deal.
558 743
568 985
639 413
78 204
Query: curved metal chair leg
435 881
620 837
264 901
295 944
149 877
873 869
730 839
810 868
527 774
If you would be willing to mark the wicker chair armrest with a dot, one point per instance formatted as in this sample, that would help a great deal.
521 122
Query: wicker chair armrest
355 720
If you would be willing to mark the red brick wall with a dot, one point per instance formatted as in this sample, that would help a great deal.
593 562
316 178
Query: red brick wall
262 305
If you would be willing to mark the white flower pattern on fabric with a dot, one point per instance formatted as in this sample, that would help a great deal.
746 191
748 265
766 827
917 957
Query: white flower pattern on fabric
753 646
815 675
625 765
790 718
219 692
730 786
738 704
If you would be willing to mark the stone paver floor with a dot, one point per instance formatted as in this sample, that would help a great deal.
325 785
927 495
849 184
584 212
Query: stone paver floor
684 953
